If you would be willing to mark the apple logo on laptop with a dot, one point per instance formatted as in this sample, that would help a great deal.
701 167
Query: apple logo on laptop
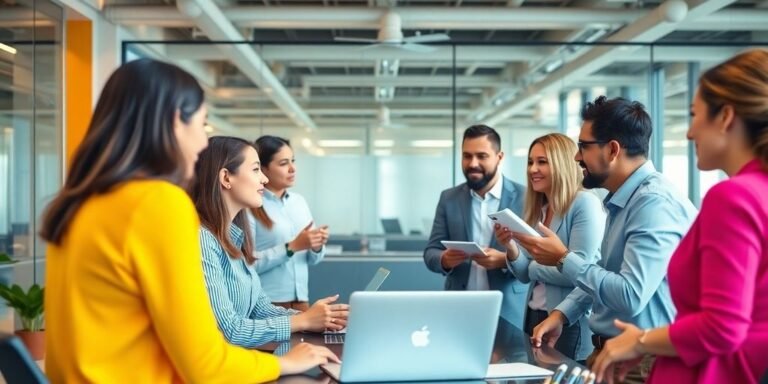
420 338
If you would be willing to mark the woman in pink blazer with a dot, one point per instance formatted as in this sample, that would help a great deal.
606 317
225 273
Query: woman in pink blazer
720 333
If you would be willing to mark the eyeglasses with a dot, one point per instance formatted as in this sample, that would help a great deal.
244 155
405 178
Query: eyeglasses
583 144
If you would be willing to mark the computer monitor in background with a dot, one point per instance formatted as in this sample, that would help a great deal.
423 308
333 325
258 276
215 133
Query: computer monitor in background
391 226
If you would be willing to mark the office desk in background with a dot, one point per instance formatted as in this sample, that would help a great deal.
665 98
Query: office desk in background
511 346
350 271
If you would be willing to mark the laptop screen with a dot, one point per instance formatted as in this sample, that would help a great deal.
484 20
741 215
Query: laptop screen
377 280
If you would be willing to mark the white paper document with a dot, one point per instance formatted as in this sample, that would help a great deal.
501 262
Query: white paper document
515 370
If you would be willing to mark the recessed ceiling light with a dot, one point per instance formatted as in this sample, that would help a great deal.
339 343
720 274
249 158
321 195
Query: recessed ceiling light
7 48
340 143
432 143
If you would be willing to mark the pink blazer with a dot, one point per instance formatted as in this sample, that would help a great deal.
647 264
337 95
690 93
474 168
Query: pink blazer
718 278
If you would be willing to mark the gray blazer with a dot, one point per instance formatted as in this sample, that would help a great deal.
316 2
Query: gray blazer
453 222
581 230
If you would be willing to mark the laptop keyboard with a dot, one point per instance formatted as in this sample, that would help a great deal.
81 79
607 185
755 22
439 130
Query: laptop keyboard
334 338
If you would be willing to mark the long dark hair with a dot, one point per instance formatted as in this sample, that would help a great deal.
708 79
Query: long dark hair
267 146
222 153
131 136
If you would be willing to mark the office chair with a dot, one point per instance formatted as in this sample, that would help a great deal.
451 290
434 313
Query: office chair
16 364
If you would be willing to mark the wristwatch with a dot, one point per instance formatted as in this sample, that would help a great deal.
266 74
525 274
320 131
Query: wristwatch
560 262
288 251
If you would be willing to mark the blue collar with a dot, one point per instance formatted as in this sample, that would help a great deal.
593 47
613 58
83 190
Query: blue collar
272 196
236 235
621 197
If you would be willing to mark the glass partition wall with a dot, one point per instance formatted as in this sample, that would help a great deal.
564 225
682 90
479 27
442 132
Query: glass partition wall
377 129
31 77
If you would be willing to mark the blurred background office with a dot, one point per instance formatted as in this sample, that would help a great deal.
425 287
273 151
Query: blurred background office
376 128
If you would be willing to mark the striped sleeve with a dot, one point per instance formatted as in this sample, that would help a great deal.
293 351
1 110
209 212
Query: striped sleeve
237 329
263 308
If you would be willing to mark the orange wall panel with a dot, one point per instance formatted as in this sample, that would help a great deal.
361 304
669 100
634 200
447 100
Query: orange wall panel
78 83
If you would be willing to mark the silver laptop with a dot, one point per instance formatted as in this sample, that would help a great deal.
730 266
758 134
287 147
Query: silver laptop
406 336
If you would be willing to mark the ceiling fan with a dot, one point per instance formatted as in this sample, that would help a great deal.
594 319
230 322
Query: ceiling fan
391 35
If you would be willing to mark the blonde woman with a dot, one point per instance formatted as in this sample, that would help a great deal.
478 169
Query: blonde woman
555 198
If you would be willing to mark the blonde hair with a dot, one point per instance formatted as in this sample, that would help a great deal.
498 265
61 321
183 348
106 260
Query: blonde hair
742 82
566 177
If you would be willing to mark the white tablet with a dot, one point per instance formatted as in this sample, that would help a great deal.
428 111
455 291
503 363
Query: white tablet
508 219
469 247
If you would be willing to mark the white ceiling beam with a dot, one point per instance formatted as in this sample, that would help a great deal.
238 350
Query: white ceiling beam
464 18
325 102
499 56
215 25
337 53
660 22
400 81
738 19
471 66
527 18
369 111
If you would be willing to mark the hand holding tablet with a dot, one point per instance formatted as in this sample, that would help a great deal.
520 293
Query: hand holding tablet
507 218
469 247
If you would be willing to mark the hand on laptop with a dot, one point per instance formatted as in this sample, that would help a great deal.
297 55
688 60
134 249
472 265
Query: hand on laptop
322 315
305 356
493 259
451 258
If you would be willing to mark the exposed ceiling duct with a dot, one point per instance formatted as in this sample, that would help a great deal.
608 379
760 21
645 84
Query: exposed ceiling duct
457 18
209 18
660 22
364 18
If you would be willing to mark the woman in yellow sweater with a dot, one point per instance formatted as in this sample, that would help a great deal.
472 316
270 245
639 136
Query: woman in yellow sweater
125 295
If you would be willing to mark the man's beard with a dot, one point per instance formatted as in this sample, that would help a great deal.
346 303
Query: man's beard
593 179
481 183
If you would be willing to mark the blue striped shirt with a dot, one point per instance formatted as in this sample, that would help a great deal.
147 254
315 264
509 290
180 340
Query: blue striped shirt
243 311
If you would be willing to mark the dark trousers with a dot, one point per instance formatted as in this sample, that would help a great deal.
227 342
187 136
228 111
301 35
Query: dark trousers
569 340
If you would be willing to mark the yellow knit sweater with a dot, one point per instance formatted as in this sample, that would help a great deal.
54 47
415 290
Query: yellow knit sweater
126 300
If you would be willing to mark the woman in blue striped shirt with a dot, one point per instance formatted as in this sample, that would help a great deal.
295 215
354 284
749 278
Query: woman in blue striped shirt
229 180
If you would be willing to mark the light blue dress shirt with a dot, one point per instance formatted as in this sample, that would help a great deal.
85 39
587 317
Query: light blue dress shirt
243 311
646 220
482 230
283 278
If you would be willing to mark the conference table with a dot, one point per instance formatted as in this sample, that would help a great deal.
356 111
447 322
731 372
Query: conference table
511 345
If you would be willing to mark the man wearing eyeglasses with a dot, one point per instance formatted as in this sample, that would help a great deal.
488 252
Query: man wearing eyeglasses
647 217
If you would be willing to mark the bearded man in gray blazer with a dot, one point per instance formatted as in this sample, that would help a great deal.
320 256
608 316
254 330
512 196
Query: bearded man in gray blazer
462 215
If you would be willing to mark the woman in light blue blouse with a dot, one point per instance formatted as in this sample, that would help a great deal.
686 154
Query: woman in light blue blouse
229 180
555 199
287 242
